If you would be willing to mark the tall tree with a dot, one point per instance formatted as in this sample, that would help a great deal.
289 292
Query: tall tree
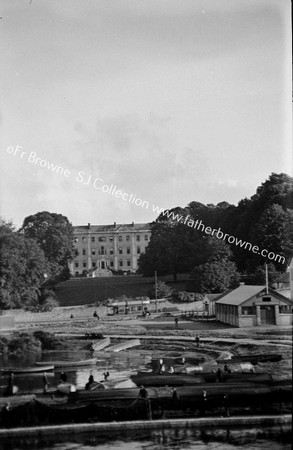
173 248
22 269
54 234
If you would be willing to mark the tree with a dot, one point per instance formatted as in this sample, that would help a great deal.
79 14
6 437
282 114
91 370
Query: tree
218 273
22 269
163 290
54 234
173 248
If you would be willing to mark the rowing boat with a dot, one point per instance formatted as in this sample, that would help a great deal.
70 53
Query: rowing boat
123 345
27 370
59 364
100 345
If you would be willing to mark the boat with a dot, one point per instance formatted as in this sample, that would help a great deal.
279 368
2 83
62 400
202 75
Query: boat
60 364
100 345
66 388
176 379
123 345
253 359
27 370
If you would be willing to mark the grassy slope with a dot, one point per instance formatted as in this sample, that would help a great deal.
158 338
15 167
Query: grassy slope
81 291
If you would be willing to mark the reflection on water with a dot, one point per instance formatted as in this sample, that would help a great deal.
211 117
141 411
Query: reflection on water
177 439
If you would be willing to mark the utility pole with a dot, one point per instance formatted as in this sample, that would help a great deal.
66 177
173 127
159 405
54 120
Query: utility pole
156 292
267 280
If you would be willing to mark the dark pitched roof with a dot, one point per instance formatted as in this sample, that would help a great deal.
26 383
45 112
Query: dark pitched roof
111 228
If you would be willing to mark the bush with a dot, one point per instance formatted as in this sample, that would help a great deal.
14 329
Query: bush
21 343
49 341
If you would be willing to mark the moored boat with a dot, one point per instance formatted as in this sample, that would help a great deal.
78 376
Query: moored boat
60 364
100 345
123 345
18 370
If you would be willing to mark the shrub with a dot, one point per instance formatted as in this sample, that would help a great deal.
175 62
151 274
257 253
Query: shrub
20 343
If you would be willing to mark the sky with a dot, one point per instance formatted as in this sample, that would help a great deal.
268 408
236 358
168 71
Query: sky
171 101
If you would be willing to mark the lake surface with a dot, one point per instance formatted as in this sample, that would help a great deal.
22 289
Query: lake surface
278 438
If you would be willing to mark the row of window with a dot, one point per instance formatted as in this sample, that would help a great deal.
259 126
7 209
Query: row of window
103 251
121 263
111 238
251 310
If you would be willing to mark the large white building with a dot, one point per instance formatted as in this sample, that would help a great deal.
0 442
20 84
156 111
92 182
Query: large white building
100 249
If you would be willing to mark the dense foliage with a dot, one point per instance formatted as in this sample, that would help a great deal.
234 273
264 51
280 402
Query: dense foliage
22 269
54 235
265 220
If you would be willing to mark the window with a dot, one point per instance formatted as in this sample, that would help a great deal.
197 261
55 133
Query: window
84 264
111 251
76 239
93 238
128 238
76 264
120 238
266 299
120 251
93 251
83 239
146 238
284 309
76 253
102 239
94 264
138 237
111 263
111 238
248 310
84 252
138 250
128 263
103 251
120 262
128 250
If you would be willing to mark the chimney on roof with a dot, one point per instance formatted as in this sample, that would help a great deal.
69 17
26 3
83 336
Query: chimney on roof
89 226
133 224
114 224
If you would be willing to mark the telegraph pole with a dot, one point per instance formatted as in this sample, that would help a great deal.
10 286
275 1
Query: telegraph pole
156 292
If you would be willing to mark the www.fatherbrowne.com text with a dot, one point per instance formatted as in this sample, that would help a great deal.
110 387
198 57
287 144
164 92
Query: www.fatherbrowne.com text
111 189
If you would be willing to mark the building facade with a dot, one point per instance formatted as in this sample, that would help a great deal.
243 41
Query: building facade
101 249
249 306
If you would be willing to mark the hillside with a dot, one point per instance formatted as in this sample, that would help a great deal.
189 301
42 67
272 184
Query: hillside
82 291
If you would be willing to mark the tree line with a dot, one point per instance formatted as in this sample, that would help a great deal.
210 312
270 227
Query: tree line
265 220
37 255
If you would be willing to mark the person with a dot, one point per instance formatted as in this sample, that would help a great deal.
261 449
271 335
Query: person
227 369
90 383
226 402
106 375
96 315
162 368
176 321
204 401
161 364
175 395
183 360
197 340
72 316
5 414
10 383
219 375
171 370
143 393
45 382
63 377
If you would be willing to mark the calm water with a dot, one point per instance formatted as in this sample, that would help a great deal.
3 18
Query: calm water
179 439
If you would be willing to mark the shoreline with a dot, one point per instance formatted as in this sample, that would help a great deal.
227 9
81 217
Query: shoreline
77 428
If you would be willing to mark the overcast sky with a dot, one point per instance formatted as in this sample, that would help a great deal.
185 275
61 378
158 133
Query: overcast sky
171 100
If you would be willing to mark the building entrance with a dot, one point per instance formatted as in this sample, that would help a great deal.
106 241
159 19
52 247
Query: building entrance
268 315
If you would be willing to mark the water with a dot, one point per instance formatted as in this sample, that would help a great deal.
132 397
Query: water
175 439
